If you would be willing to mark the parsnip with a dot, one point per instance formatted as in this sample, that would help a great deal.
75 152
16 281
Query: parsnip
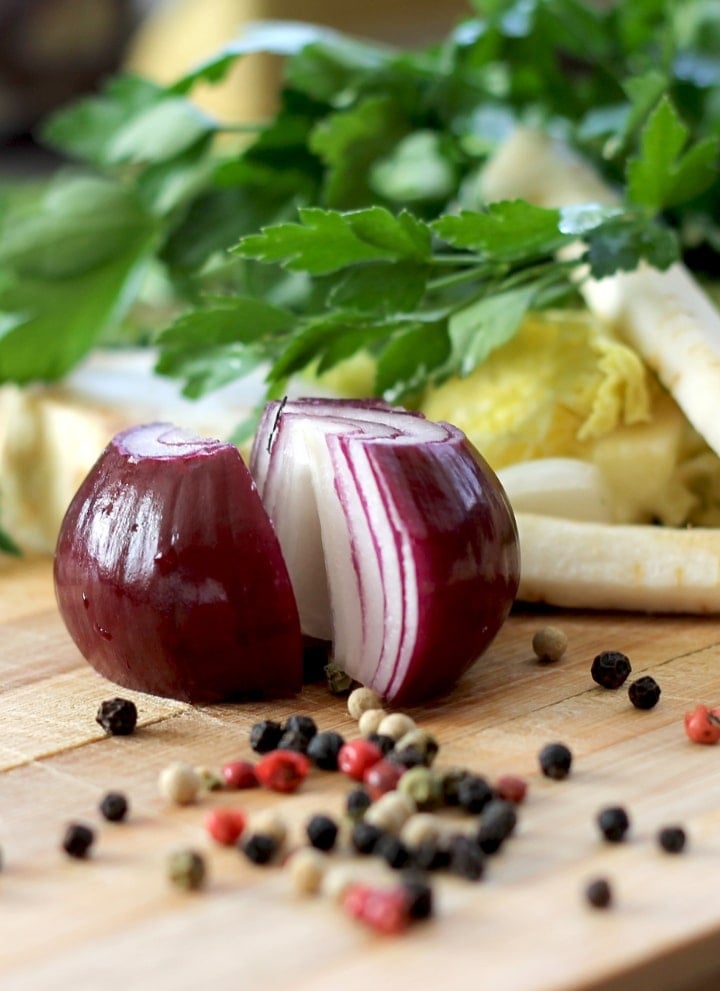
665 316
646 568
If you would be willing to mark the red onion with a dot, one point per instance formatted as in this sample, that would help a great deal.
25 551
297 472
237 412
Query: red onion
400 542
169 576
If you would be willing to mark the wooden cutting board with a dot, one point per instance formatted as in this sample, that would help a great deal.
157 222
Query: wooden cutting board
113 921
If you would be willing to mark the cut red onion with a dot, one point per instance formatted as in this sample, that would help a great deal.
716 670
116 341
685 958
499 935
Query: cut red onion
400 542
169 576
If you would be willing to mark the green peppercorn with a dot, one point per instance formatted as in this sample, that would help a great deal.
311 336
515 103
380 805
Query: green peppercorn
422 786
186 869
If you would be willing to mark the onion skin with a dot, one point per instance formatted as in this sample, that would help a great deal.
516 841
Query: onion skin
419 540
169 576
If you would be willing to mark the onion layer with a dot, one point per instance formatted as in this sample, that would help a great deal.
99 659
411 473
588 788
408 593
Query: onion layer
400 542
169 576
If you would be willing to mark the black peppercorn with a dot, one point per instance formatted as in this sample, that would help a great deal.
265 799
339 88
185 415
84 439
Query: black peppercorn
598 893
672 839
613 823
418 895
384 742
393 851
259 848
357 803
265 736
305 725
473 793
450 780
322 832
117 716
610 669
555 761
431 855
497 822
466 858
644 693
114 806
293 739
323 750
409 757
77 840
365 837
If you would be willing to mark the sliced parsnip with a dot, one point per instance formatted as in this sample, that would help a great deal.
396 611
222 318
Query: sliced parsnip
565 487
665 316
579 564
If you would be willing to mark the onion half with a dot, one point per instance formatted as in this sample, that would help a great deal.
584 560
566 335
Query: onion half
169 576
399 540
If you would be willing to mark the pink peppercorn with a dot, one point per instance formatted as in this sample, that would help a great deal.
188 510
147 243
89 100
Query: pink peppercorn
383 909
356 756
238 774
225 825
702 725
511 787
382 777
282 770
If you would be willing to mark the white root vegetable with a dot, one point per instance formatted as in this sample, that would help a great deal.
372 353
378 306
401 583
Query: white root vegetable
665 316
579 564
564 487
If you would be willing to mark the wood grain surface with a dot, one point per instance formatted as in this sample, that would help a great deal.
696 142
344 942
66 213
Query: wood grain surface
113 921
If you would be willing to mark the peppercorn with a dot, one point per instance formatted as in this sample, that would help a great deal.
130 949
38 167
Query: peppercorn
598 893
301 724
382 777
307 869
282 770
511 787
418 895
555 761
418 828
357 803
365 837
393 851
396 725
549 644
497 822
362 699
117 716
450 779
423 786
384 910
473 793
356 756
385 743
239 775
391 811
610 669
114 806
337 879
186 869
294 739
613 823
210 780
644 693
408 757
322 832
432 854
77 840
369 721
338 681
419 740
672 839
323 750
265 736
259 848
225 825
269 822
702 725
466 858
179 783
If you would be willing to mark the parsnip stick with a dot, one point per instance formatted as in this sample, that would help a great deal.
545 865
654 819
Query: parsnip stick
645 568
665 316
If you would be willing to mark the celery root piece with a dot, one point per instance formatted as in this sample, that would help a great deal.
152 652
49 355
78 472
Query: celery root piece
665 316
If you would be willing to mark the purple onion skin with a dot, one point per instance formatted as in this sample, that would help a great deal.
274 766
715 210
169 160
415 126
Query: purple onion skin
170 579
466 548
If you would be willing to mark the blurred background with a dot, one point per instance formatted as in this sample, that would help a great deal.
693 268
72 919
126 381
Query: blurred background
52 51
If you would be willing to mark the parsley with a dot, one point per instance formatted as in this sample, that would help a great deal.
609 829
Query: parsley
351 221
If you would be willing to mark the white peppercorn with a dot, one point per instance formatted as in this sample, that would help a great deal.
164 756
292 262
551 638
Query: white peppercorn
307 868
370 720
179 783
390 811
396 725
337 879
549 643
419 828
362 699
268 822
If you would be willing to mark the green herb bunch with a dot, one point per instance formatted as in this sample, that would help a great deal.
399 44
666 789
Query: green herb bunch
352 220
